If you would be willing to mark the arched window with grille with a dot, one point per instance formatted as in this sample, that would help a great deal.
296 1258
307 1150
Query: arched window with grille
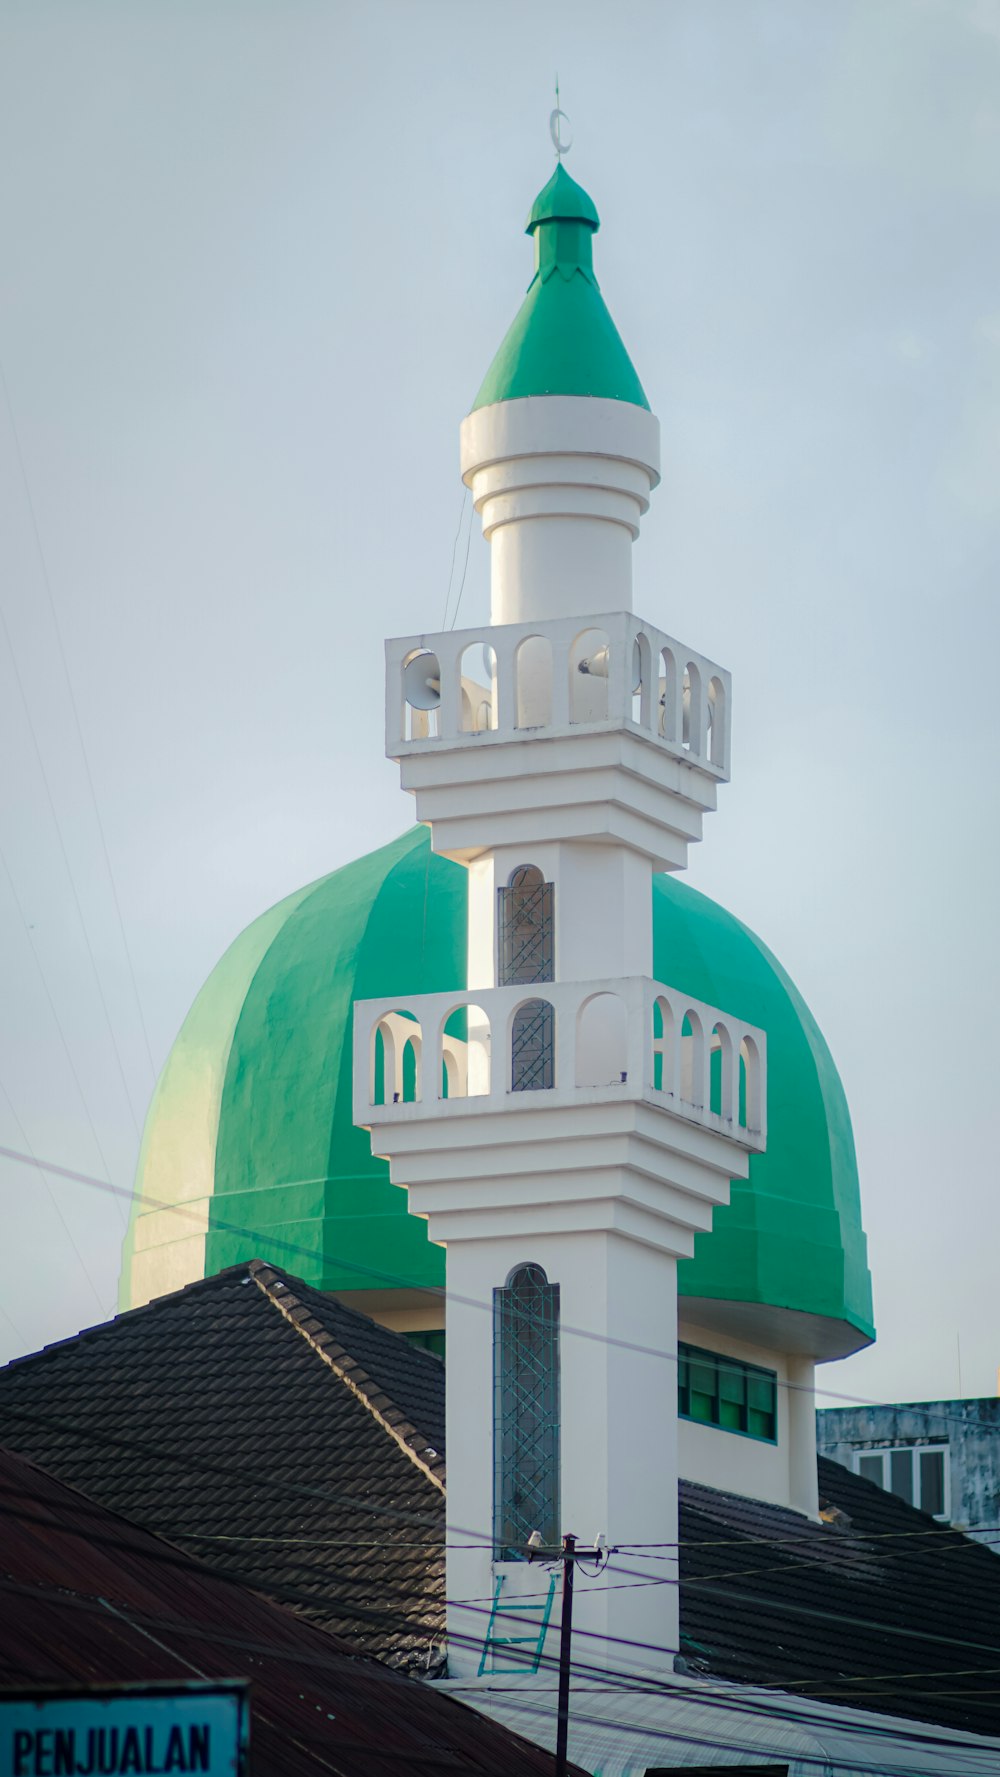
525 1412
526 953
525 928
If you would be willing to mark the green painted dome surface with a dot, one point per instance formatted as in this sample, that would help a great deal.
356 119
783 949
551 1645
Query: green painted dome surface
258 1089
562 340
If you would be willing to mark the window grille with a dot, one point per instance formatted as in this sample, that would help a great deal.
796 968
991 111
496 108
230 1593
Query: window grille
723 1391
525 1412
532 1047
525 952
525 925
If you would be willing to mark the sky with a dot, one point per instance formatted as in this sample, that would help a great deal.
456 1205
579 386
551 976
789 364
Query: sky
256 260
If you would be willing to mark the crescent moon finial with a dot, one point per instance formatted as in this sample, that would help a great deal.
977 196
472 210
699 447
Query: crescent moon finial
561 132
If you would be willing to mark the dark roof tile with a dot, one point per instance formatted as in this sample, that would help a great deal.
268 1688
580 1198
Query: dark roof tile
210 1418
880 1608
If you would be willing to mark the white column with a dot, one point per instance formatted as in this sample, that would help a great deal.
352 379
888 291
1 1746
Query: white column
618 1442
803 1485
561 483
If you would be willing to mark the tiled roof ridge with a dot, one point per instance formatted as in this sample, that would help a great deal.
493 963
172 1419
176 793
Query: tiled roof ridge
412 1442
100 1327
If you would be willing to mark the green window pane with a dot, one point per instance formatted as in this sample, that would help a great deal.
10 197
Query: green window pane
761 1425
733 1383
725 1392
703 1377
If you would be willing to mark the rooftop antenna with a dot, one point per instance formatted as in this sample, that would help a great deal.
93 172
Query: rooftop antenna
562 138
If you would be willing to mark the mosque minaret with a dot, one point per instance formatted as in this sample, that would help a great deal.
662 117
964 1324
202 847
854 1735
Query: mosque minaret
568 1123
630 1213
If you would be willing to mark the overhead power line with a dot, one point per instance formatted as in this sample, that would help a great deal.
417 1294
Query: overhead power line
53 1199
439 1292
718 1700
201 1465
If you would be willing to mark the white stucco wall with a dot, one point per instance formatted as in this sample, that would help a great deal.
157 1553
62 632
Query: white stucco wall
739 1464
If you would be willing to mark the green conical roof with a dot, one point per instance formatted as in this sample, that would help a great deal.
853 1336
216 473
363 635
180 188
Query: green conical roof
563 340
253 1111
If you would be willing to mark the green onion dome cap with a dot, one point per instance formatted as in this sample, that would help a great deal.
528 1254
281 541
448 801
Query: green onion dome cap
562 340
251 1124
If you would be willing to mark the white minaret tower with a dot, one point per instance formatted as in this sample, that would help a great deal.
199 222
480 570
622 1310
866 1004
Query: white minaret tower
567 1124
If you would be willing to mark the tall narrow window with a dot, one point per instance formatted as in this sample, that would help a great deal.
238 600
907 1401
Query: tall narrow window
532 1047
524 924
525 953
525 1412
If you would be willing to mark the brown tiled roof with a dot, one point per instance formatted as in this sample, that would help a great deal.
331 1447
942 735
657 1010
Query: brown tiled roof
89 1599
273 1433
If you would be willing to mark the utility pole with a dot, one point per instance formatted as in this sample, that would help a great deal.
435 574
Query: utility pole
569 1556
565 1649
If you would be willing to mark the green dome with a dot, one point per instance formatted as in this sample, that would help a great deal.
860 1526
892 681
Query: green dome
562 340
253 1109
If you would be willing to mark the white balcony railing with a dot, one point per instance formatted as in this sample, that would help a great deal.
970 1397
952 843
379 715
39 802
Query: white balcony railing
517 680
560 1043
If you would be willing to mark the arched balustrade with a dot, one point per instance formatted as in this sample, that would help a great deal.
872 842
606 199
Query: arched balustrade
631 1036
589 671
718 704
464 1040
533 682
476 700
396 1045
601 1041
751 1085
515 679
670 697
721 1083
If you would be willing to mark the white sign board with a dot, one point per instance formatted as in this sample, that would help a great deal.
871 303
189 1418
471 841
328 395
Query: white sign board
148 1731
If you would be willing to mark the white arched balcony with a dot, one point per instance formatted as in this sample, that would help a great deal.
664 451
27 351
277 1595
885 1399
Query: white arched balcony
515 681
560 1043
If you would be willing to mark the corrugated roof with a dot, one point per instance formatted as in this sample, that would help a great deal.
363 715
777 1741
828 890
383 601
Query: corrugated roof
87 1599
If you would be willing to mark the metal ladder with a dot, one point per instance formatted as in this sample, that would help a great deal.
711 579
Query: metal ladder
520 1608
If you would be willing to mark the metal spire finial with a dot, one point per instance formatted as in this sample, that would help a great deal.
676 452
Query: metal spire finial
562 141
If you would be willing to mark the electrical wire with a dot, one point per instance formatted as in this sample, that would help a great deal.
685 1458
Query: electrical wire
465 566
201 1465
454 553
822 1761
437 1291
53 1199
613 1678
727 1696
720 1701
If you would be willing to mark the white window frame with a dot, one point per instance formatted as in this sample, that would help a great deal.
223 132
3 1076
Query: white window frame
885 1451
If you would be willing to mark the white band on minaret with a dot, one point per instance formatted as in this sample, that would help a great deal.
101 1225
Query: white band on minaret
561 483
